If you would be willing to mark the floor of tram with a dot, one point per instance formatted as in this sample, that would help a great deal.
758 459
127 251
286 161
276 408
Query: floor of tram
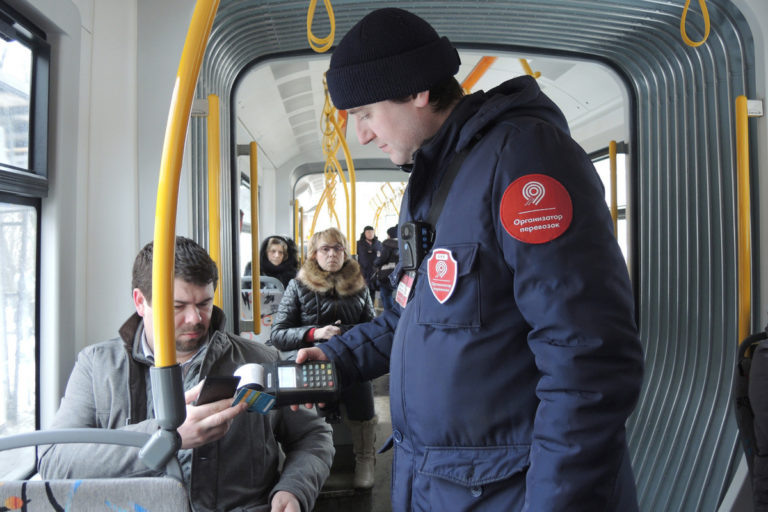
338 495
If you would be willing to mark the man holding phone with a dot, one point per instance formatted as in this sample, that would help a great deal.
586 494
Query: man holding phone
229 458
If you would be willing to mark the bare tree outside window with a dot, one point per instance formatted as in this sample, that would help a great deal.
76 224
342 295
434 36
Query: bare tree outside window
18 235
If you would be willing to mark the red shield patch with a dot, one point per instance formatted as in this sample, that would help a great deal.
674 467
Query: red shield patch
442 272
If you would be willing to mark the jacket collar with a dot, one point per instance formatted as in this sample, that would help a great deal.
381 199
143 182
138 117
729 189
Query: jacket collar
346 281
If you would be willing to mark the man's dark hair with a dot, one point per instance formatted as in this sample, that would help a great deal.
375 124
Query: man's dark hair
191 263
442 95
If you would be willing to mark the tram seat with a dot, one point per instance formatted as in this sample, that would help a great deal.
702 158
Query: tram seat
150 494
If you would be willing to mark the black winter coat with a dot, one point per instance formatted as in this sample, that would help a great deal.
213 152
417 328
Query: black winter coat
317 298
386 262
366 253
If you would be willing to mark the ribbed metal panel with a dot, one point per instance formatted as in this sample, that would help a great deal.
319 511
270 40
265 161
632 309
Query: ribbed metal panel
682 435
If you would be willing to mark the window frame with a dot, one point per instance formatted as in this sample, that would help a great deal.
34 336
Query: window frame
28 186
31 182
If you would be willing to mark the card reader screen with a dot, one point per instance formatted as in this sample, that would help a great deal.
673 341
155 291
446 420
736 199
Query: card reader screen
286 376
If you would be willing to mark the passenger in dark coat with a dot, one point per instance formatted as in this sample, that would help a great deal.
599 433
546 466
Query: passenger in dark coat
328 297
368 249
278 258
758 399
385 264
513 354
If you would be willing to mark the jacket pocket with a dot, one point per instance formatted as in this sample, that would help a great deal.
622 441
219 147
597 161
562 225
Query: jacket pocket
462 307
452 478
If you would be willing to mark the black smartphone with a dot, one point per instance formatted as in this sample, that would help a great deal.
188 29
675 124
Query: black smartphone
217 387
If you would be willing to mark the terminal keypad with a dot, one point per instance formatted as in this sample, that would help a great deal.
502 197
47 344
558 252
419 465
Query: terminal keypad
316 375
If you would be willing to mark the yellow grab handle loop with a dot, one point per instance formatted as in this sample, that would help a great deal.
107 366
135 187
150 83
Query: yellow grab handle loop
320 44
528 70
705 14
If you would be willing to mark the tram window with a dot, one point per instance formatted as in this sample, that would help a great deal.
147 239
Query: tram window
15 80
603 167
24 64
18 327
246 229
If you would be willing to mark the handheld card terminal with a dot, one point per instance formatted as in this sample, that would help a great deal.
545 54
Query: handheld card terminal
310 382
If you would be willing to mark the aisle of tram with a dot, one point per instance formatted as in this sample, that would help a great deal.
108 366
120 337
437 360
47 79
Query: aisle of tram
337 494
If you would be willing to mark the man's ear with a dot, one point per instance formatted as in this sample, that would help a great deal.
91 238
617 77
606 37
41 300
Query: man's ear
140 302
421 99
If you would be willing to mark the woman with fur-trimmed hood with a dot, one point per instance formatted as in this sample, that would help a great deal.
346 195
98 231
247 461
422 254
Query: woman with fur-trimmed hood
328 297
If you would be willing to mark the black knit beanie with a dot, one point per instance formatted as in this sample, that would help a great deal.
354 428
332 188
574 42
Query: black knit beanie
389 54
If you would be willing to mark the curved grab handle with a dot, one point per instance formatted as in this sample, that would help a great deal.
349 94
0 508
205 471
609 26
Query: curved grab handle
168 188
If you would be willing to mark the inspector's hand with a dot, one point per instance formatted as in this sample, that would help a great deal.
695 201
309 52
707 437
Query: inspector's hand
283 501
206 423
309 354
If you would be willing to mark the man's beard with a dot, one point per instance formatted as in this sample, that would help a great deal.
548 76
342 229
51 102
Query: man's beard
191 344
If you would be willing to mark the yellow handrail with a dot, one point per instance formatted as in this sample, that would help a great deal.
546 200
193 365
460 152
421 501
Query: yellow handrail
705 14
477 73
743 218
614 199
319 205
333 138
214 192
352 185
301 234
296 233
255 254
324 42
168 187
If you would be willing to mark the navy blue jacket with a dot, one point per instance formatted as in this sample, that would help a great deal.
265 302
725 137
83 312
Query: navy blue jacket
511 394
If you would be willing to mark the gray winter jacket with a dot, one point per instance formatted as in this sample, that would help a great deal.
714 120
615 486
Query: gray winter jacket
110 388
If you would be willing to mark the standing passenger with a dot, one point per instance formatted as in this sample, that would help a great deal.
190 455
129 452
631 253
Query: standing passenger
515 360
327 298
230 460
385 264
368 249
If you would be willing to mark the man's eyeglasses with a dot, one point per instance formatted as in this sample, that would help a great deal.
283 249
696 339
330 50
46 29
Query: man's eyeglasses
327 249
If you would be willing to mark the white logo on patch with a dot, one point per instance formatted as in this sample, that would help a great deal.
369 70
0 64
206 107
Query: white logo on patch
533 192
442 273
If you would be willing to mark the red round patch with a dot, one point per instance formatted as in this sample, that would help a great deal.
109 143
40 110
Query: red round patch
536 209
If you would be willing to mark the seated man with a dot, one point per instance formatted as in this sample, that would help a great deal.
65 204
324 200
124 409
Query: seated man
229 457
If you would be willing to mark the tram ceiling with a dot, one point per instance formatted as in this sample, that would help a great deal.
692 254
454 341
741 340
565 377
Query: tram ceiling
254 47
279 103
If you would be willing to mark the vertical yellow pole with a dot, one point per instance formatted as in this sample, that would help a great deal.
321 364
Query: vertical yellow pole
614 200
296 220
255 255
214 190
168 187
301 234
743 217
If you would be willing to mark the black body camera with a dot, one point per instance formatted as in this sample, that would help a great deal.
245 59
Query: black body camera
417 238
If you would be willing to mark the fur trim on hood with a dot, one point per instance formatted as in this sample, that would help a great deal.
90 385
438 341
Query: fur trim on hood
347 281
